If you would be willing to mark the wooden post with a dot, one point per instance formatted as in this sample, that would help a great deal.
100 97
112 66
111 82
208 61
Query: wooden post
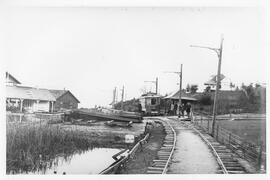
37 105
208 123
52 107
230 139
219 52
217 132
156 85
122 99
21 105
259 160
180 90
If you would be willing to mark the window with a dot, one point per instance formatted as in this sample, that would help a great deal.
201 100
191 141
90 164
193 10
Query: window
153 101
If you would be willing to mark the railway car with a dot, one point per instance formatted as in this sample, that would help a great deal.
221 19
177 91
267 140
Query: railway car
151 104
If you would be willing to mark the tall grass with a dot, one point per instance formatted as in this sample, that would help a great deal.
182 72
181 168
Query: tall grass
33 146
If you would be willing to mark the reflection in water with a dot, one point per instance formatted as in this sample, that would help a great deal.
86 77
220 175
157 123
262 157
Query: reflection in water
88 162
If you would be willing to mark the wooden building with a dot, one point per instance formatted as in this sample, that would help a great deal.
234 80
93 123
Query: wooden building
10 80
28 99
64 100
185 97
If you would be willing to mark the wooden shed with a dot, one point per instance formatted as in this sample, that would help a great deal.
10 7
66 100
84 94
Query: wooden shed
64 100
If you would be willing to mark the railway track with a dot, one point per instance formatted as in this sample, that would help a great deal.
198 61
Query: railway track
225 157
164 155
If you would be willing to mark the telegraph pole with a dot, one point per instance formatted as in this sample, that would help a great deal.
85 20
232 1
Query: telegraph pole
180 89
219 54
156 83
114 97
217 86
180 86
122 99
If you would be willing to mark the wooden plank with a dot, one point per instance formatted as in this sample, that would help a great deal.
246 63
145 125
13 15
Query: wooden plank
155 168
158 160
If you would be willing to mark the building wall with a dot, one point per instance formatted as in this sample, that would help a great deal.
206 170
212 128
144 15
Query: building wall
67 101
42 106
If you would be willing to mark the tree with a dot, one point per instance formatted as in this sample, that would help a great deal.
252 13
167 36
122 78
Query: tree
194 88
207 89
206 99
188 88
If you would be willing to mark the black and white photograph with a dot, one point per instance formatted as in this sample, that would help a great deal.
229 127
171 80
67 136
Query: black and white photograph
133 90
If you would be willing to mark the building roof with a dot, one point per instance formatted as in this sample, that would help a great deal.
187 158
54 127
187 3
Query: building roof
184 96
59 93
12 79
23 92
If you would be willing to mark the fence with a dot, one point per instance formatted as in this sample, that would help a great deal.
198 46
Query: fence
35 117
246 150
120 163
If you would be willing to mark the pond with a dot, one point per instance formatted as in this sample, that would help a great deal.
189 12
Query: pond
88 162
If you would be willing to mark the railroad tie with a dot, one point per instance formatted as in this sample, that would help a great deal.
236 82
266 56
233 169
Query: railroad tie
168 145
159 165
166 149
155 168
235 168
236 172
153 172
164 154
158 160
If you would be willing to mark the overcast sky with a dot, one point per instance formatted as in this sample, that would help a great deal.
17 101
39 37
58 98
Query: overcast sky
92 50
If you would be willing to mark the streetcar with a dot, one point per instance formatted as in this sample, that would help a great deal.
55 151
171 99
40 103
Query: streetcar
151 104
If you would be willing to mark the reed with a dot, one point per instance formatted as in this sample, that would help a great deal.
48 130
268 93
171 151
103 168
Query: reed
33 146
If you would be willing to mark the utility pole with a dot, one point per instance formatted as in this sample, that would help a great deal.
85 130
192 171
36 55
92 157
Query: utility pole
156 83
114 97
180 86
180 89
219 54
122 99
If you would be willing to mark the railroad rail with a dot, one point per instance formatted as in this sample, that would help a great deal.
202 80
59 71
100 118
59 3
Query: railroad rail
254 153
225 157
164 155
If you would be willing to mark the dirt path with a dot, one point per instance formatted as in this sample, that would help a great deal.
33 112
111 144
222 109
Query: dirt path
145 157
192 155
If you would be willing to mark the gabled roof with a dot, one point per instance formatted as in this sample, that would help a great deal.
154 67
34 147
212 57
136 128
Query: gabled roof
59 93
12 78
23 92
184 96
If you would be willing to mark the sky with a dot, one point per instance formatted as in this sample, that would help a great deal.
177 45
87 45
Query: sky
89 51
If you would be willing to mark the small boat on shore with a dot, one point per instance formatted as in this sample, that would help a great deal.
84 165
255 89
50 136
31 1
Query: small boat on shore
118 124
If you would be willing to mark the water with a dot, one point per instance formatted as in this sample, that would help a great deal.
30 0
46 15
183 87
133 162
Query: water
89 162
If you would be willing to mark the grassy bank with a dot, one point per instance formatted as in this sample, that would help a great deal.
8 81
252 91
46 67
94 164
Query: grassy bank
250 130
32 146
